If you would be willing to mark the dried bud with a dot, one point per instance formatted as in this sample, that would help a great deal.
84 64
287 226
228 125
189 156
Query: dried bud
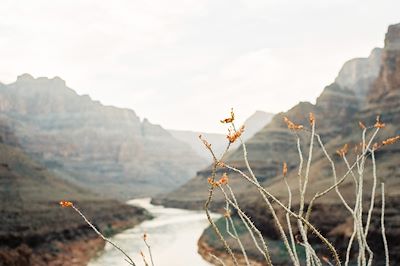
292 125
144 236
230 119
284 169
343 151
221 164
378 123
312 118
227 214
224 179
66 203
234 135
361 125
391 140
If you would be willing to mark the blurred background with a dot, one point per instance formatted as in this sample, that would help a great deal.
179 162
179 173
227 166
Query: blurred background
102 103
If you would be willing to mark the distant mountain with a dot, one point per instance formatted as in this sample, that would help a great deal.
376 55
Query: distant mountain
252 124
360 93
34 229
255 123
103 148
192 138
358 74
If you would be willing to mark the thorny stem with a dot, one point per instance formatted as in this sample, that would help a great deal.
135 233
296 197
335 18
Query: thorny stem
372 193
249 222
313 229
311 256
128 259
144 259
334 174
149 249
290 229
229 220
212 223
385 244
247 225
303 188
276 219
209 199
341 180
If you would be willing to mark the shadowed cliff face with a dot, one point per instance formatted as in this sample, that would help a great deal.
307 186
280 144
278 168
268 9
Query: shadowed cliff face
384 96
103 148
34 229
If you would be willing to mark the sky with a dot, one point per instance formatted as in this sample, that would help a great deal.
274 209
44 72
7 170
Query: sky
184 63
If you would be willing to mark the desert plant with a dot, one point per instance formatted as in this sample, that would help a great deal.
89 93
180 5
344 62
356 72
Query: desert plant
302 216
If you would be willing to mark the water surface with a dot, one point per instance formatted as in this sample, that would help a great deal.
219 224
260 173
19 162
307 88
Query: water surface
172 234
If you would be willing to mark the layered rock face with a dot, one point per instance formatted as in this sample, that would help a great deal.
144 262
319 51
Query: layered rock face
384 96
34 229
359 93
103 148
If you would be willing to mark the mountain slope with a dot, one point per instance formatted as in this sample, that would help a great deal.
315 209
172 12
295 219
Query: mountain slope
103 148
34 229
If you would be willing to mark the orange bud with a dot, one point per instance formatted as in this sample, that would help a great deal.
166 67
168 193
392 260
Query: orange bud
378 123
221 164
224 179
292 125
227 214
284 169
230 119
391 140
342 151
66 203
312 118
234 135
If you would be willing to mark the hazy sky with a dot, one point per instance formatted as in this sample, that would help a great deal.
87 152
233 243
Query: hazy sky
183 64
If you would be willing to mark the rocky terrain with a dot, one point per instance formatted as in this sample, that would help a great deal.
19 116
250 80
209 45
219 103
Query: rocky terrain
103 148
364 88
34 229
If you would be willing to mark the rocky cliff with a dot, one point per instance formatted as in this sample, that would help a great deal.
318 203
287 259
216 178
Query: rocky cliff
104 148
34 229
359 73
359 93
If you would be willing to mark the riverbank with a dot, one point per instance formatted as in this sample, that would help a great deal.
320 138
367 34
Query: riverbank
50 235
172 233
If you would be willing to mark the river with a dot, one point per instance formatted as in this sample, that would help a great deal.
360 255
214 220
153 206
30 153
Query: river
172 234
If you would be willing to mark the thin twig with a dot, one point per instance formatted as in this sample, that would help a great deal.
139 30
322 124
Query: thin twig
385 244
128 259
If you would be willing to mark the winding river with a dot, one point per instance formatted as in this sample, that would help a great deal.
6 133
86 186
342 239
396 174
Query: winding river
172 234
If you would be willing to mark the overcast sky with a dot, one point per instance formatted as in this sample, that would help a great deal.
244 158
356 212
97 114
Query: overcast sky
183 64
